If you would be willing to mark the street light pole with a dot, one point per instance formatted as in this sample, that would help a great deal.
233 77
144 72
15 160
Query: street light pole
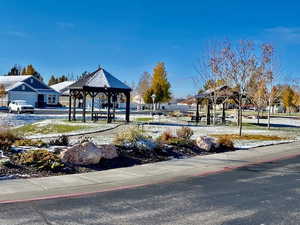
153 101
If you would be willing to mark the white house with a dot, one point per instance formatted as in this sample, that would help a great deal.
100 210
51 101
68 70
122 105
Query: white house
29 89
63 89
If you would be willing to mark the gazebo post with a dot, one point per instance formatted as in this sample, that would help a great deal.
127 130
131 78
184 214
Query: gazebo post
74 106
70 105
223 114
127 106
115 97
197 111
108 107
93 103
84 106
208 113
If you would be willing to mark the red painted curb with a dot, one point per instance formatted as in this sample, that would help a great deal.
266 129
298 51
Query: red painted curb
225 169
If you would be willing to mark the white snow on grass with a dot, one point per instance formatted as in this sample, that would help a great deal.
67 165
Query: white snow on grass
15 120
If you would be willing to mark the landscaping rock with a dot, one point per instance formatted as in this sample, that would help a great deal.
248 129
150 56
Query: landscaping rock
86 153
109 151
206 143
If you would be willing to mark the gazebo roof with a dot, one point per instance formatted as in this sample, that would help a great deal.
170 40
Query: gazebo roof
99 79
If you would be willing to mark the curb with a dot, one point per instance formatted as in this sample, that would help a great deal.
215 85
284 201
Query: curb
126 187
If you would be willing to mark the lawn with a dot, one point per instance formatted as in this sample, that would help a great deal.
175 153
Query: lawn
143 119
31 129
256 137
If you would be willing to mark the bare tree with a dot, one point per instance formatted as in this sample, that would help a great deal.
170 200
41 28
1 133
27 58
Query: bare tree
273 92
257 94
235 65
210 80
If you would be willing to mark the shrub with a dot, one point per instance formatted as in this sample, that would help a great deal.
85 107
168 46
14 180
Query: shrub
184 133
7 138
166 136
60 141
129 136
225 143
175 114
42 160
29 142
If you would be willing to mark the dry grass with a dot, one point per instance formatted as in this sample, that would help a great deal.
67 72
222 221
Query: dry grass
184 133
7 138
256 137
225 142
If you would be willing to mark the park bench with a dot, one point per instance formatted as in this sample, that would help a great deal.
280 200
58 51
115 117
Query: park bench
100 115
193 119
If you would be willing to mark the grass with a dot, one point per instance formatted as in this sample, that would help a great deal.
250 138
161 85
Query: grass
256 137
48 129
143 119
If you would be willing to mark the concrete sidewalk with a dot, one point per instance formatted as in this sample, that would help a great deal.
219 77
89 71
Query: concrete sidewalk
115 179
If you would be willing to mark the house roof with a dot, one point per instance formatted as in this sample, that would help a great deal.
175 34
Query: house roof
99 79
63 87
11 82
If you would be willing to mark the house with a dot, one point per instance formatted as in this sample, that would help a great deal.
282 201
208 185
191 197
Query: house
63 89
29 89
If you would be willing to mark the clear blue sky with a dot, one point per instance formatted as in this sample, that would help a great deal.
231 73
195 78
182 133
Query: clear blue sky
129 37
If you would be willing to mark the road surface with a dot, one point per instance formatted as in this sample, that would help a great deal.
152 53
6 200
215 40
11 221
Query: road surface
266 194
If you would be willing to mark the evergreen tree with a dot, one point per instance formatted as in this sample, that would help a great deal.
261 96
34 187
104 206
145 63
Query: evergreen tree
52 80
14 71
23 71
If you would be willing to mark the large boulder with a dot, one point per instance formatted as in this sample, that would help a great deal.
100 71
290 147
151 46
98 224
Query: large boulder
109 151
206 143
86 153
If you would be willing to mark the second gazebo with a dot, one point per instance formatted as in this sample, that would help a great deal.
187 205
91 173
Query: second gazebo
92 84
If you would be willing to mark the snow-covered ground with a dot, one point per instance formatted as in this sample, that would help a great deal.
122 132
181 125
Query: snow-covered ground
155 130
15 120
291 127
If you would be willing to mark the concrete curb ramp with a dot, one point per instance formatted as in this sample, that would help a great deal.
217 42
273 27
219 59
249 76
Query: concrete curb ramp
115 179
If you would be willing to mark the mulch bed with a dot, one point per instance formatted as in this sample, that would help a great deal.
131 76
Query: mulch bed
127 158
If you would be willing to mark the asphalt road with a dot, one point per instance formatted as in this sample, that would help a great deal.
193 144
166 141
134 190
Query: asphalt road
260 194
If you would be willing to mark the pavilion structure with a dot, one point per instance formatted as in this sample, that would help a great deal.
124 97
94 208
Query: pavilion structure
222 94
93 84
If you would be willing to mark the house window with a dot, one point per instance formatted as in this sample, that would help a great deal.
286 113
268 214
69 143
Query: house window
31 81
51 99
23 87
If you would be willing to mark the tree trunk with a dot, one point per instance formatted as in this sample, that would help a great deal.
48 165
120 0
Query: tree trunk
258 117
269 115
240 116
214 110
214 114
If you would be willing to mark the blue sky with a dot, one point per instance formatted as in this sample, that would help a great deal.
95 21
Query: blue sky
129 37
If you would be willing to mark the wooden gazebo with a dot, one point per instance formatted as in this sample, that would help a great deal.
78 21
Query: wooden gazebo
92 84
224 93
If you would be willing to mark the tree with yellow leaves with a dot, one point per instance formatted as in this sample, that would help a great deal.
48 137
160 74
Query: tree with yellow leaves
288 99
30 70
160 86
2 92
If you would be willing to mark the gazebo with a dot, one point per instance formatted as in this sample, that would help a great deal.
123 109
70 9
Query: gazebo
92 84
224 93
